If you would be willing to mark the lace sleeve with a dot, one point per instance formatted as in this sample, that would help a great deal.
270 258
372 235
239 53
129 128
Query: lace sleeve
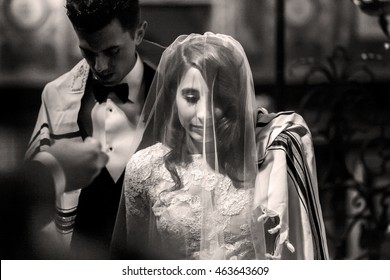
137 183
137 207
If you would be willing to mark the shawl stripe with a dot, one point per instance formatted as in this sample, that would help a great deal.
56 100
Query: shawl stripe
47 141
69 135
45 125
64 219
265 119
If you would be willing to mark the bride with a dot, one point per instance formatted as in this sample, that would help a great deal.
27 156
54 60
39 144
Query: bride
224 179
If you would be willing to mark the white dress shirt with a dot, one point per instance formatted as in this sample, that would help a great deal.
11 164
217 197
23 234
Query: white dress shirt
114 122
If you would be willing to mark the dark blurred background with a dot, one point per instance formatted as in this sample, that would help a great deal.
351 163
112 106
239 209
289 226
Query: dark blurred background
326 59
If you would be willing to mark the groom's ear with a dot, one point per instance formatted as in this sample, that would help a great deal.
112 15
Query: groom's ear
140 32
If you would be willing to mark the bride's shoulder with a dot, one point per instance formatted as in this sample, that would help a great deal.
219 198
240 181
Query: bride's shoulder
148 157
142 163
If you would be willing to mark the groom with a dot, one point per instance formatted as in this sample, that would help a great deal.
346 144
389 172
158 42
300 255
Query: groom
102 96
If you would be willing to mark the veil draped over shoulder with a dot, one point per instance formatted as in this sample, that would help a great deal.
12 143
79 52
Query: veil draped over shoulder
194 193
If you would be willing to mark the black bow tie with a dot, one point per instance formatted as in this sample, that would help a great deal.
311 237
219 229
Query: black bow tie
101 92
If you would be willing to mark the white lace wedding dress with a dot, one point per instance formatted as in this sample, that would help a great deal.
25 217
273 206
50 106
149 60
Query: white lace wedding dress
172 220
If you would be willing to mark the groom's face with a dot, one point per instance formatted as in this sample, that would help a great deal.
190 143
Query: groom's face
110 52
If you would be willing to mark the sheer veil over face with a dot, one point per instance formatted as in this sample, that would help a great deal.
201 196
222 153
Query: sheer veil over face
206 78
202 106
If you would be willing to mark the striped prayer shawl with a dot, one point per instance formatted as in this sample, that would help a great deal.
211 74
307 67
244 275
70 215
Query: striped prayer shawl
57 120
287 132
57 117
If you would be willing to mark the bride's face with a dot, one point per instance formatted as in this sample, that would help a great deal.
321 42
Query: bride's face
194 106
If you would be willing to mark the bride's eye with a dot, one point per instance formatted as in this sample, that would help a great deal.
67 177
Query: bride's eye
191 95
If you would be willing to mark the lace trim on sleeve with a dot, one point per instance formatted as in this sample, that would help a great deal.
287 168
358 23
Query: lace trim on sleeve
138 176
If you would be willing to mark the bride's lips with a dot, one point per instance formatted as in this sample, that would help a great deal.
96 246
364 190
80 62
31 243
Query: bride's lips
199 128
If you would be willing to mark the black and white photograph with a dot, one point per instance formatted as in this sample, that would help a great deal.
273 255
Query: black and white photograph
169 130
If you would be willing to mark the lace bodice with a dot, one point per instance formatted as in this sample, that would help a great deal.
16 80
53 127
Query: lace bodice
178 213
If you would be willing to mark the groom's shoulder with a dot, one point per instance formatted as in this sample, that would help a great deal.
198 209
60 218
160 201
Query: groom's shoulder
74 80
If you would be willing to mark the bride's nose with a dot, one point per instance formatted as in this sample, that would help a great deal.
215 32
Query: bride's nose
203 111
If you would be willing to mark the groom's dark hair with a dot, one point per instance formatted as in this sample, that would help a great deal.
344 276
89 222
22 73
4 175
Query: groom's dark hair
93 15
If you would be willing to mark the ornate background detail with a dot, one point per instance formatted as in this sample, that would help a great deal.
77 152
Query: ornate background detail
351 128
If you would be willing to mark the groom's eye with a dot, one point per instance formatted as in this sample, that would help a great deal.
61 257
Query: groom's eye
190 95
112 51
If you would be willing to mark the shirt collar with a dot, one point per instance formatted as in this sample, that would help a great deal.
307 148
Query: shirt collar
134 79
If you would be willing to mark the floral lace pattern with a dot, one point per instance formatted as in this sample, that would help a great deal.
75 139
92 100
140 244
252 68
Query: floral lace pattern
178 213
